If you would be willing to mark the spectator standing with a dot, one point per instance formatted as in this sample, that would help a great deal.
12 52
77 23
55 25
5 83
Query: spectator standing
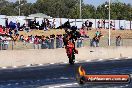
10 32
103 25
43 46
27 29
83 33
90 25
39 42
87 24
94 42
47 42
98 23
67 25
65 40
121 28
7 31
96 39
18 25
16 30
79 43
20 38
97 33
25 40
31 39
36 42
52 38
118 40
6 23
6 43
45 25
57 41
0 42
54 24
61 41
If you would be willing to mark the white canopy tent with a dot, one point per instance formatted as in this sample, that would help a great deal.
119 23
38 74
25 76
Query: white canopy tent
40 15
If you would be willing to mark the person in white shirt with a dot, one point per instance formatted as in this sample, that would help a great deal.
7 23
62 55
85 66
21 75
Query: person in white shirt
6 43
54 24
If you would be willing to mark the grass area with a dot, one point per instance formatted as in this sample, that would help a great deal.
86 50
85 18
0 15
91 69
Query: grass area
41 32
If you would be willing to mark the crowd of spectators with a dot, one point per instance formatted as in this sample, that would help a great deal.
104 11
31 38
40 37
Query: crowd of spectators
12 29
44 42
39 42
47 42
30 24
45 24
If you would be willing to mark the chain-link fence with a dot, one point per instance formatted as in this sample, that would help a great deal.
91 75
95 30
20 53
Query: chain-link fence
6 45
114 42
11 45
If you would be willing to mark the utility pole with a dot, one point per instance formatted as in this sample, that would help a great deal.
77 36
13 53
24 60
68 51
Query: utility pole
109 24
80 9
19 7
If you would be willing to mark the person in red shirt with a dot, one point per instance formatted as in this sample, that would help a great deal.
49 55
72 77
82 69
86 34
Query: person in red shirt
36 41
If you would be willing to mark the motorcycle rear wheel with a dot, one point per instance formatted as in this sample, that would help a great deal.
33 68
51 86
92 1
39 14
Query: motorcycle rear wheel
72 59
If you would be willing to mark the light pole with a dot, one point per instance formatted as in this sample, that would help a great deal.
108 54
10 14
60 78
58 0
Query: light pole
109 35
80 9
19 7
109 25
95 17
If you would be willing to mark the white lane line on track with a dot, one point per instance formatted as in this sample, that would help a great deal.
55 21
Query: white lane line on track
40 64
52 63
24 82
116 58
128 57
100 59
65 62
63 78
4 67
76 61
88 60
121 86
64 85
14 66
16 83
111 59
38 80
28 65
8 84
126 85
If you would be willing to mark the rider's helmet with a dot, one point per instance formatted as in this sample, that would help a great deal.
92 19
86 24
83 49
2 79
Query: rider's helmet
73 28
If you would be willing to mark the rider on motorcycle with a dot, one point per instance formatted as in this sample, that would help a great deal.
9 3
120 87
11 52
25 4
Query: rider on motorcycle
70 37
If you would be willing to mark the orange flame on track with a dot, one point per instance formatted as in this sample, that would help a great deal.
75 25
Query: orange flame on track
81 71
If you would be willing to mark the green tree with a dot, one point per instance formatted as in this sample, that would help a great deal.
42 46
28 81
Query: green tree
88 11
67 9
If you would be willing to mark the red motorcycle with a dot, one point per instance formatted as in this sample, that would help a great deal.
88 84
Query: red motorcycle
71 51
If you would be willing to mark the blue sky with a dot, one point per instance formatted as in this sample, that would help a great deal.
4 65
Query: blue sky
93 2
98 2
